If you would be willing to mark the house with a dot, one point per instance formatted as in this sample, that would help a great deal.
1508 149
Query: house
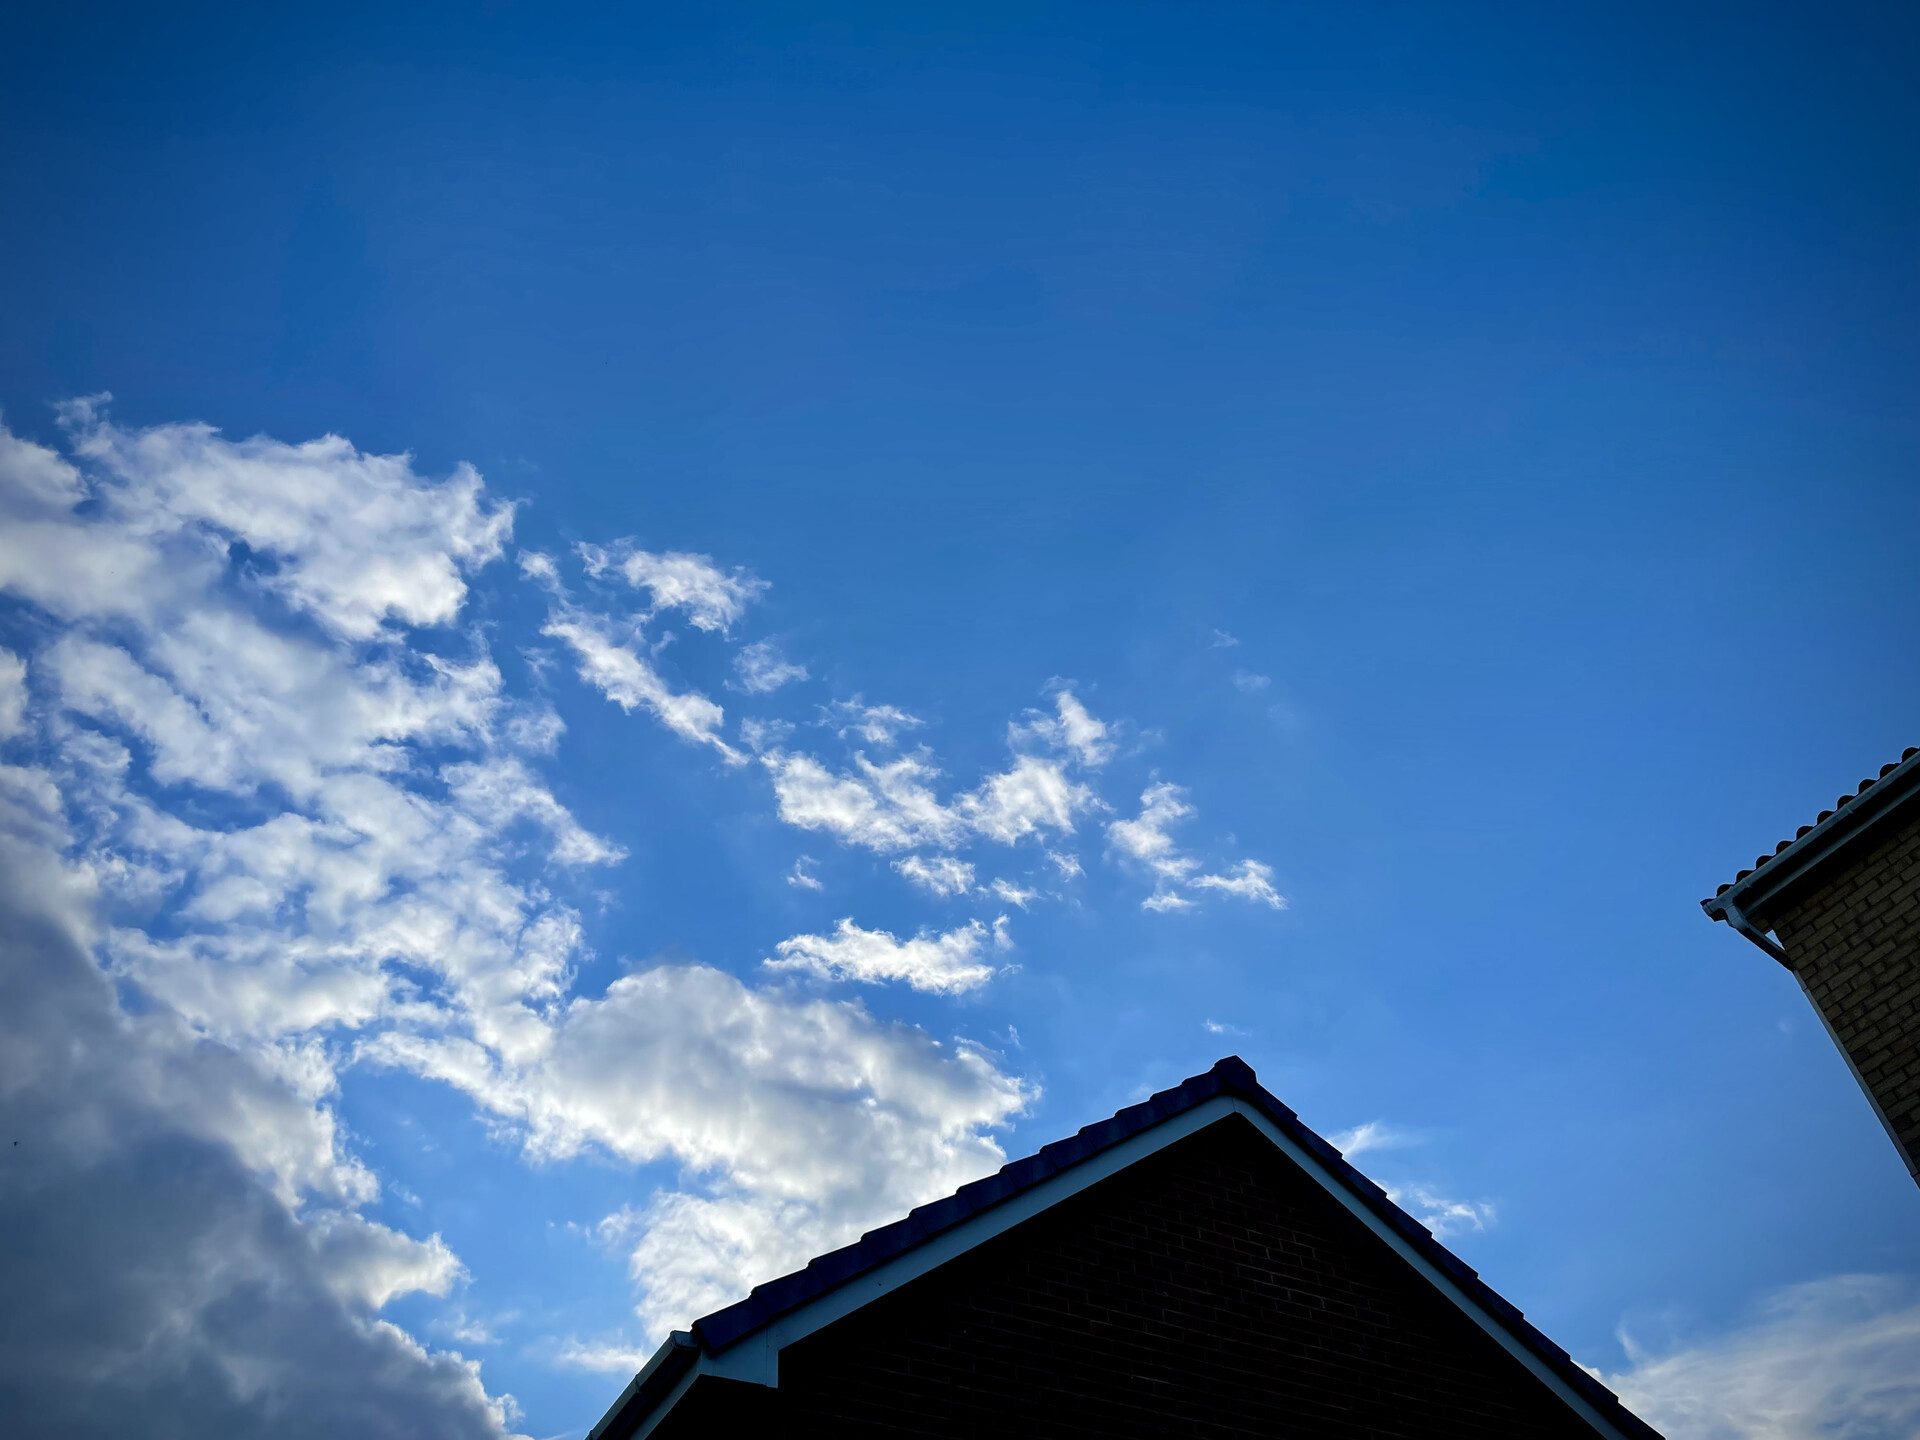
1839 906
1200 1264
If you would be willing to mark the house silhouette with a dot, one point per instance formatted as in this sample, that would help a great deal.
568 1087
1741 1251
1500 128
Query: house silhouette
1199 1264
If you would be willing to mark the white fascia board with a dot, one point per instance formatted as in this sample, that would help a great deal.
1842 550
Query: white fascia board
756 1357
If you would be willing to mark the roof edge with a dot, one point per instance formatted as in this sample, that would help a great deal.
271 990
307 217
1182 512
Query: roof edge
677 1354
1761 895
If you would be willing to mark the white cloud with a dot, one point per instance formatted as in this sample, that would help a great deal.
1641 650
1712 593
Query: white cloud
1067 865
1372 1135
764 736
1072 729
712 598
1032 796
893 806
500 791
536 729
1013 894
801 877
539 567
1248 683
1162 901
1145 841
809 1120
882 807
354 541
875 724
603 1357
944 964
178 664
939 875
1222 641
470 1331
761 668
13 694
1833 1359
1441 1214
629 680
1250 880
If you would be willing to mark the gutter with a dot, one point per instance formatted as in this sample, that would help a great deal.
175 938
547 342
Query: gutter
1778 881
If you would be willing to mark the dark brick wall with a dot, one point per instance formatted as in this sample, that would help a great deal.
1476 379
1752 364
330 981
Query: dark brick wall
1212 1290
1856 947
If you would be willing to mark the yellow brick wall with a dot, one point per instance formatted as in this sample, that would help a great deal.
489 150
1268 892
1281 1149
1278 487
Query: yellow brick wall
1856 947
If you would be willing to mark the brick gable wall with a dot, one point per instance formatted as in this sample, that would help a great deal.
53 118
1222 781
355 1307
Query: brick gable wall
1210 1290
1856 947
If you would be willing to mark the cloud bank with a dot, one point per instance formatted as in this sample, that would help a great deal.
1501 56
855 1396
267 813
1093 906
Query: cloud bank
271 817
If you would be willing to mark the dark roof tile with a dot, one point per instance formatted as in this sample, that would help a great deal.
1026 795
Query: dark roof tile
889 1240
939 1214
991 1191
1070 1151
1030 1171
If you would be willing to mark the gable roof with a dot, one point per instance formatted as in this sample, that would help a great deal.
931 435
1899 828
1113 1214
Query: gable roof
1755 898
743 1340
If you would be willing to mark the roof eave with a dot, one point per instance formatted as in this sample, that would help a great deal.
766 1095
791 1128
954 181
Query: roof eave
1760 896
677 1354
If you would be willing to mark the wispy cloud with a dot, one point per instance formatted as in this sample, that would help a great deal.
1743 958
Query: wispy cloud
1441 1214
1832 1359
1147 837
710 597
875 724
1373 1135
604 1357
1147 842
1249 879
617 670
939 875
1072 729
1248 683
1013 894
762 668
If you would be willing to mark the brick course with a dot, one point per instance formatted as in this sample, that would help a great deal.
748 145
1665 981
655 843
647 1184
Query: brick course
1855 944
1210 1290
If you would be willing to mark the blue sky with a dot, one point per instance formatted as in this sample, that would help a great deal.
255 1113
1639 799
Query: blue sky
1356 519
